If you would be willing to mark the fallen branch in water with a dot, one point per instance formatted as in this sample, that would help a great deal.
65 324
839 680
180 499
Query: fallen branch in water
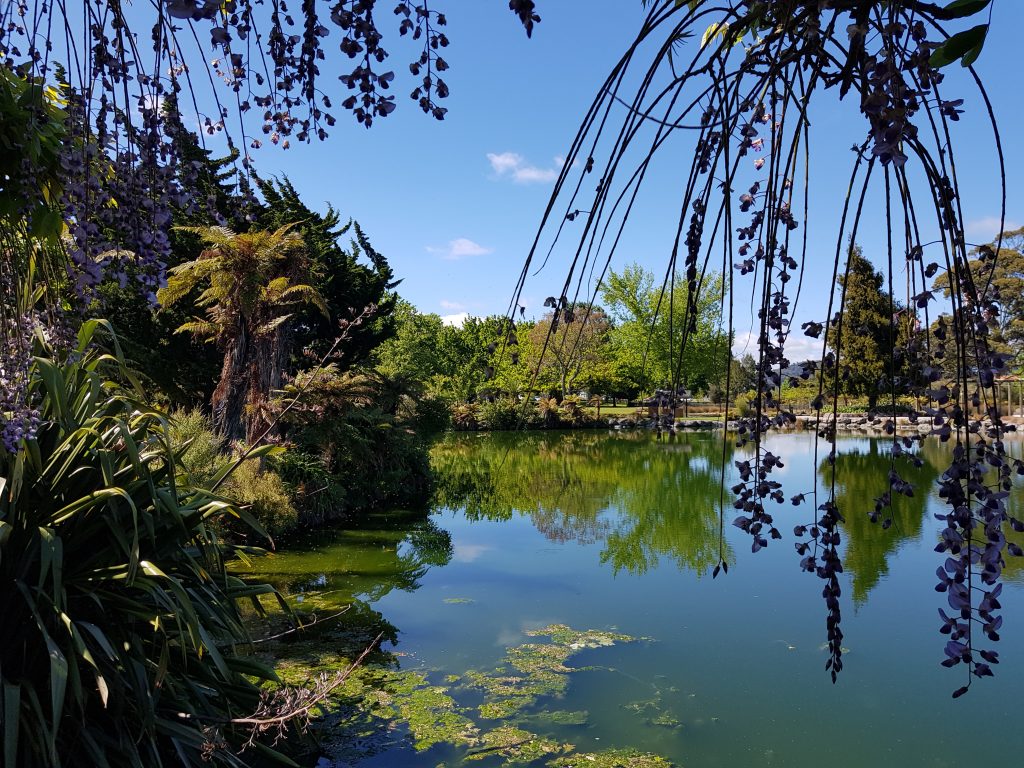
316 620
288 704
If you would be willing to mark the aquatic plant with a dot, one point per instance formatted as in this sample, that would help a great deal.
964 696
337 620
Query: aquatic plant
515 745
381 707
611 758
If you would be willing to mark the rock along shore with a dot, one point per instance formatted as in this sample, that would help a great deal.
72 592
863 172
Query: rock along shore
848 423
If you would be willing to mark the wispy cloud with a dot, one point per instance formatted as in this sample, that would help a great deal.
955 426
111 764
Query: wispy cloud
456 320
985 229
460 248
798 346
514 166
453 305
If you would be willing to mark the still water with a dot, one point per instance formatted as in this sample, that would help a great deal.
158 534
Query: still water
619 533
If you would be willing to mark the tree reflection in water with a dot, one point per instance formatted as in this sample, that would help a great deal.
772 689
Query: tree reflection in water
353 568
862 467
643 499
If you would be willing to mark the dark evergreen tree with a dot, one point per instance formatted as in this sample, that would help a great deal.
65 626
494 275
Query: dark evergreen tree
867 331
349 279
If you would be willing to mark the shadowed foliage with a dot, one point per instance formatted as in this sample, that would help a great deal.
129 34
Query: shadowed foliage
121 643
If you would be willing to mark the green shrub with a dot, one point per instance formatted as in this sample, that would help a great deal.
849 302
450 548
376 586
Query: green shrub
464 416
201 449
120 643
432 414
263 493
501 413
314 491
743 405
370 455
260 490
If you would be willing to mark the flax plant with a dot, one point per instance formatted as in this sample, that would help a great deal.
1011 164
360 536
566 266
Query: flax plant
121 641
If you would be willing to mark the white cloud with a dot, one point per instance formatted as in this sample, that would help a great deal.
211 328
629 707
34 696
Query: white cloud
460 248
153 101
514 166
456 320
505 162
445 304
798 346
985 229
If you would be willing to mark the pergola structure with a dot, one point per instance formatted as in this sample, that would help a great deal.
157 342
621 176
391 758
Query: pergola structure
1013 386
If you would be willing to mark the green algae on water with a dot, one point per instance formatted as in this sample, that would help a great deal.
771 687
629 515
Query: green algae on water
611 758
517 746
576 640
542 666
379 707
431 714
458 600
501 709
665 720
563 717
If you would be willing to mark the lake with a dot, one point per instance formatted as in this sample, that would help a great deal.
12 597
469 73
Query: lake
557 608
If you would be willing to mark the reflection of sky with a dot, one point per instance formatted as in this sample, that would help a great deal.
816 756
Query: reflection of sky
468 553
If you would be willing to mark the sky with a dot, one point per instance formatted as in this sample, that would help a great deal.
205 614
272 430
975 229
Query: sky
455 205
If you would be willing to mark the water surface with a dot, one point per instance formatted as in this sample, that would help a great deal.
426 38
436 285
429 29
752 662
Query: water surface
620 532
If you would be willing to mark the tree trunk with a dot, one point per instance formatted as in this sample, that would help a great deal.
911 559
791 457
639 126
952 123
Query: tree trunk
228 400
269 359
253 368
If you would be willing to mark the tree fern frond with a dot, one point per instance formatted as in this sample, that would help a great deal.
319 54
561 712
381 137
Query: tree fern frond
308 294
278 285
200 328
272 325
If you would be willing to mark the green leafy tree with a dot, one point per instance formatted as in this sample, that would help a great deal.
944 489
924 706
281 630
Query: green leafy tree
413 349
651 324
452 361
997 272
568 346
252 285
743 375
464 354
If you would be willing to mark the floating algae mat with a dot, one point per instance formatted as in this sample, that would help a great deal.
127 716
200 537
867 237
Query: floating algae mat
503 716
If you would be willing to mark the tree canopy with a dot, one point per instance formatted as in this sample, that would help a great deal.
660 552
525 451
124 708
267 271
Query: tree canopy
669 336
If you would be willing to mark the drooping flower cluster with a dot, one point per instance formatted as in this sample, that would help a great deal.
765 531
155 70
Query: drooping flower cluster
19 420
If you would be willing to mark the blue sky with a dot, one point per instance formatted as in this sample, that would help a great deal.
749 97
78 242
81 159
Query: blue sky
454 205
